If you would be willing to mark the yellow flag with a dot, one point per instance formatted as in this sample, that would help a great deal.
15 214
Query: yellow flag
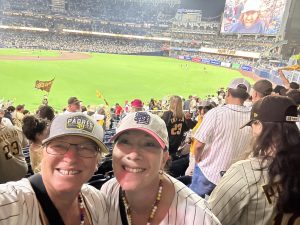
98 94
293 67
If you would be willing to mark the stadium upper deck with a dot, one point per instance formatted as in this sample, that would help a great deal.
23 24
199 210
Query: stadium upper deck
143 18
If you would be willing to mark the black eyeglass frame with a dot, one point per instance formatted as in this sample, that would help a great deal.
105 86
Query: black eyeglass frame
96 152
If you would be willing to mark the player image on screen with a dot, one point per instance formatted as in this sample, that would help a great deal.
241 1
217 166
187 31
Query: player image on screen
253 16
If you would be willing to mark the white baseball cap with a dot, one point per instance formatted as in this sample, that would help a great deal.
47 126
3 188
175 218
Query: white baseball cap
234 84
147 122
252 5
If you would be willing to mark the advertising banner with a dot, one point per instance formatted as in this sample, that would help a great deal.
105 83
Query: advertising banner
215 62
246 68
187 57
226 64
235 66
253 16
196 59
180 57
205 60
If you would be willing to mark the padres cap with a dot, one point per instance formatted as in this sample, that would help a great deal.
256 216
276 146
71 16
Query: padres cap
147 122
274 109
76 124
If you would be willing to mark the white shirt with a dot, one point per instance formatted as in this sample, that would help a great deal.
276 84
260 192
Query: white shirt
6 122
223 138
187 207
19 205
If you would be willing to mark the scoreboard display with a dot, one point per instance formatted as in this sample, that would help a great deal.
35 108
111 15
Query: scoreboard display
189 15
253 16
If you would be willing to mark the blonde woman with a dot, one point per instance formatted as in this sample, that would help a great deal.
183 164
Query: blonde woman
177 124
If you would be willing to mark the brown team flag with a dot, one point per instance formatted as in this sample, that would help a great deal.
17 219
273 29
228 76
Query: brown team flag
44 85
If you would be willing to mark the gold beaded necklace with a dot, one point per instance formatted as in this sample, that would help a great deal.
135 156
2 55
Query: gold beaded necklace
154 206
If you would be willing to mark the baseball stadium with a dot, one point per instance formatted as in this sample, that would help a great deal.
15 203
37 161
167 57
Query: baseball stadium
149 112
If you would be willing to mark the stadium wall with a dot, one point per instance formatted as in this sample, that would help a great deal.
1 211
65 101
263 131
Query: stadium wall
270 74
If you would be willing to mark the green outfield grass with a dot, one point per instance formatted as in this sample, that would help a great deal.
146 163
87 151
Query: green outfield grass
117 77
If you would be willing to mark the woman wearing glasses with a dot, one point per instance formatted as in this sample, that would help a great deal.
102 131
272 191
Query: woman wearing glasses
58 194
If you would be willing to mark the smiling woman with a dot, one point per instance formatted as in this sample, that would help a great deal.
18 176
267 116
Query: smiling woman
58 194
142 193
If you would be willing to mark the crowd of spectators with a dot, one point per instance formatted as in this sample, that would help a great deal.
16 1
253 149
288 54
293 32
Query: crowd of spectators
133 18
70 42
223 136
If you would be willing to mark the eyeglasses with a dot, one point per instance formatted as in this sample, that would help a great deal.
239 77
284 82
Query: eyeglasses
85 150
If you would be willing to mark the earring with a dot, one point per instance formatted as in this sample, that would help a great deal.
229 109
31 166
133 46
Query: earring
160 172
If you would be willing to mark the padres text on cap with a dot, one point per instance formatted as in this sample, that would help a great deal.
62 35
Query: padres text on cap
147 122
76 124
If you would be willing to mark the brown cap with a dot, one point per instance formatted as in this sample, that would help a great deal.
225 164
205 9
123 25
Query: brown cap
263 86
19 107
73 100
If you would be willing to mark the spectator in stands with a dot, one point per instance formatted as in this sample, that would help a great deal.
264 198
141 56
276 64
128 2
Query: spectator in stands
100 116
295 95
260 89
279 90
249 22
9 113
136 105
12 161
5 121
294 86
73 105
141 193
186 103
71 154
219 139
151 104
35 130
253 189
177 124
202 110
18 116
118 111
286 83
46 112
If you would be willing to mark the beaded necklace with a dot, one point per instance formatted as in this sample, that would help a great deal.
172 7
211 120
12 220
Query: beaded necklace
81 208
154 206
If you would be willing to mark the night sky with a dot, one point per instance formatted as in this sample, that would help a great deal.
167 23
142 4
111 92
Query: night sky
210 8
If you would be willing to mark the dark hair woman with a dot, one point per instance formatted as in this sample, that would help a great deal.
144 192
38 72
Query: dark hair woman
35 130
252 191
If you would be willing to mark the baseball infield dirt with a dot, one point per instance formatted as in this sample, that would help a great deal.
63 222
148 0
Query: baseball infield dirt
62 56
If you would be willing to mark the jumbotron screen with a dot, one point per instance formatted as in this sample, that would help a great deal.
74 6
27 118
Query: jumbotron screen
253 16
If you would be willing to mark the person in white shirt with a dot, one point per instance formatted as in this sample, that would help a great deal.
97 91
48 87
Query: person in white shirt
74 105
58 195
5 121
219 140
141 193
